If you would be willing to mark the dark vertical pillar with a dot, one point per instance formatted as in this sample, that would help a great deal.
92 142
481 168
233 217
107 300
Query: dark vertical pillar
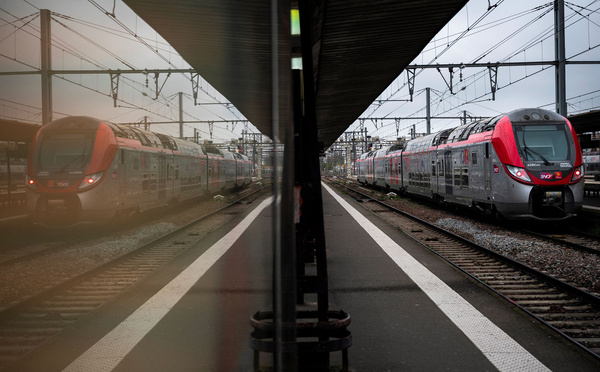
284 281
310 238
180 115
46 64
428 99
298 238
560 56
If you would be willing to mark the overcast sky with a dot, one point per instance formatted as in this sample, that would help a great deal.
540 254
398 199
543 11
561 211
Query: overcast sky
84 37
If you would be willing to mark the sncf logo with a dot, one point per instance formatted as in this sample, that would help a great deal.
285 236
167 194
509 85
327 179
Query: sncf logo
62 183
546 176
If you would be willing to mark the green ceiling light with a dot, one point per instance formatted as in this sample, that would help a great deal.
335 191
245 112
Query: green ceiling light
295 24
296 63
295 31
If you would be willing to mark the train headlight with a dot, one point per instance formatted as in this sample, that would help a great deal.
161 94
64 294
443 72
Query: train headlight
31 183
578 173
90 180
518 173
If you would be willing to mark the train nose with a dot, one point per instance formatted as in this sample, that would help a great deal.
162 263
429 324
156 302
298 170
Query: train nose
59 210
553 198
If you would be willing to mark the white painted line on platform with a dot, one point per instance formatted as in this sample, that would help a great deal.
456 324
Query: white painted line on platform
500 349
591 207
13 218
112 348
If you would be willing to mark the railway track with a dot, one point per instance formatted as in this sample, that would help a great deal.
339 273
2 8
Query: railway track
23 246
27 324
33 251
570 311
573 239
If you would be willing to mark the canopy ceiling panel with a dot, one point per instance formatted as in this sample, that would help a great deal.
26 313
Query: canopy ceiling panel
359 48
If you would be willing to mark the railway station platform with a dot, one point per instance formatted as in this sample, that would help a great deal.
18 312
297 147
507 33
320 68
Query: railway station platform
410 310
12 211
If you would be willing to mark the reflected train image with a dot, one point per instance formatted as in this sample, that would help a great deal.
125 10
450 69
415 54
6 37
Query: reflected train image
82 169
523 165
592 164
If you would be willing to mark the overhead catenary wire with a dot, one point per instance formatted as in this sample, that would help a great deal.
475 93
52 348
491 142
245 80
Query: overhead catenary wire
76 52
472 79
154 50
451 44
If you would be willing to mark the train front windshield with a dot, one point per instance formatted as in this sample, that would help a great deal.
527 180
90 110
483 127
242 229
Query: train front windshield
64 152
543 142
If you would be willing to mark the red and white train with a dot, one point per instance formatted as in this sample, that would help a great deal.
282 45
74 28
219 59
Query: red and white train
524 165
82 169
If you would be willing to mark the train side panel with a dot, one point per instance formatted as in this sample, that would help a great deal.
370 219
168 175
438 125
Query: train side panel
381 168
229 162
394 179
416 166
366 168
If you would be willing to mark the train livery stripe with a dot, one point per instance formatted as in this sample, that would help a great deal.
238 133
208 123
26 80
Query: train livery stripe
498 347
112 348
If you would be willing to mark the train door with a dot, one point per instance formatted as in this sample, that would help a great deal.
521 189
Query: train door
203 177
394 172
210 179
123 176
239 172
405 170
475 172
448 179
434 172
134 180
162 176
440 174
219 173
172 177
487 168
397 171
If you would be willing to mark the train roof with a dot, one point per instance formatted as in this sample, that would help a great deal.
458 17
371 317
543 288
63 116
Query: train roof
533 115
159 140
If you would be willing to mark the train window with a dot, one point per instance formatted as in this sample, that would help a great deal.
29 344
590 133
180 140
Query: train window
483 126
441 137
166 141
465 178
474 158
145 183
542 142
457 177
487 150
64 151
440 167
135 162
141 137
467 132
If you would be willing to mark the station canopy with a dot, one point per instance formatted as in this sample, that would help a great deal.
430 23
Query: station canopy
359 48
